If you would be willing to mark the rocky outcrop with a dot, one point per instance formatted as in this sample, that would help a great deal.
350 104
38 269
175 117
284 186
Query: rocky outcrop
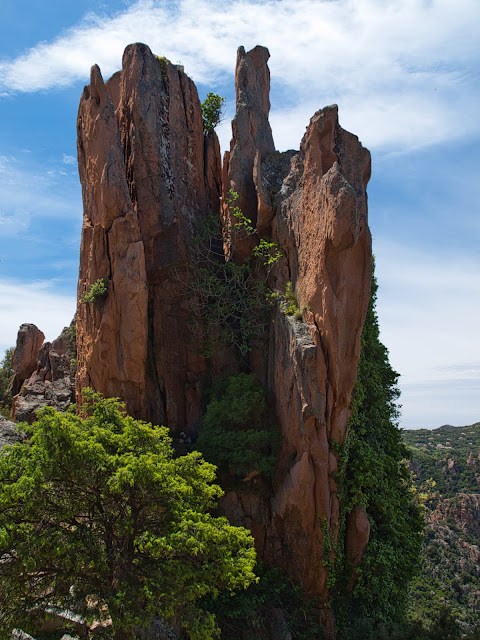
8 432
49 380
25 355
313 203
148 176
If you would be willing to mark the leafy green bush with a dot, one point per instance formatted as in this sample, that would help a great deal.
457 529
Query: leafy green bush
100 507
238 429
212 111
96 290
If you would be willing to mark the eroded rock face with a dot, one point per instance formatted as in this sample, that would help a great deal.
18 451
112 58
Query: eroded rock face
148 176
8 432
51 383
313 203
25 355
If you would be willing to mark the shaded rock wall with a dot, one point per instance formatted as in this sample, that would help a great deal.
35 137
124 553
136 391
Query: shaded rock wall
148 176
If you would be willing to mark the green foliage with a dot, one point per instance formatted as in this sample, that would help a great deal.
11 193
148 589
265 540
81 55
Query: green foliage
257 613
376 477
6 375
96 290
230 303
238 432
212 111
163 65
97 516
289 303
442 454
446 459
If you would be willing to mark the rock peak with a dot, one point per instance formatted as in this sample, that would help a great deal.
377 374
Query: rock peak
149 176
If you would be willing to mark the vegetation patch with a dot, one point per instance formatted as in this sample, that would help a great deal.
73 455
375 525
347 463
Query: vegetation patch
212 112
230 303
273 607
98 517
97 290
374 474
6 377
238 432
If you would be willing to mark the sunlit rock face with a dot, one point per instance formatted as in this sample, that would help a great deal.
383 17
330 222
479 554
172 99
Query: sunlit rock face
149 175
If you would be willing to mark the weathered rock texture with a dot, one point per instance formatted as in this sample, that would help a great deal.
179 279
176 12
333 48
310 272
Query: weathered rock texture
47 378
8 432
313 203
25 355
148 175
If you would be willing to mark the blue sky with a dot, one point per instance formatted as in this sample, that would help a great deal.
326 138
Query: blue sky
405 74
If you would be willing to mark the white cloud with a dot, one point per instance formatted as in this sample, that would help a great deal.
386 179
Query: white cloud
35 303
66 159
394 87
428 308
34 190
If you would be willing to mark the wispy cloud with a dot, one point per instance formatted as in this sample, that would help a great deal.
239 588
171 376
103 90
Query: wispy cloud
29 191
35 302
395 89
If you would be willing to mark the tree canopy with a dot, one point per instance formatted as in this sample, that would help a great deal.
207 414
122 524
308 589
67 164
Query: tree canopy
98 516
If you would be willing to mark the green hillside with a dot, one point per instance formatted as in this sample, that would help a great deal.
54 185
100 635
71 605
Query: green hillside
450 559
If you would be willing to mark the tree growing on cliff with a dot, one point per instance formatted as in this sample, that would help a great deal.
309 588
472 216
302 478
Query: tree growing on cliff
212 111
97 516
376 477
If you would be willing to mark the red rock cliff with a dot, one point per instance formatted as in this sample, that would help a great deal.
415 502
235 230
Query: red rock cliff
314 204
148 173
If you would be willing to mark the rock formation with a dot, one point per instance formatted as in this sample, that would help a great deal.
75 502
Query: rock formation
149 175
25 355
45 371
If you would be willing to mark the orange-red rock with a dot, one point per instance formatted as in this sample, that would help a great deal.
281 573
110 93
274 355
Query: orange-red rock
148 175
25 354
314 205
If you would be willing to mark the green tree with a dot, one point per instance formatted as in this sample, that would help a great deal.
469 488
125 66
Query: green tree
212 111
6 374
97 516
238 431
376 477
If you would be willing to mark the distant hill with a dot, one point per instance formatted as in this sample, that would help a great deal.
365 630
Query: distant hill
450 559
